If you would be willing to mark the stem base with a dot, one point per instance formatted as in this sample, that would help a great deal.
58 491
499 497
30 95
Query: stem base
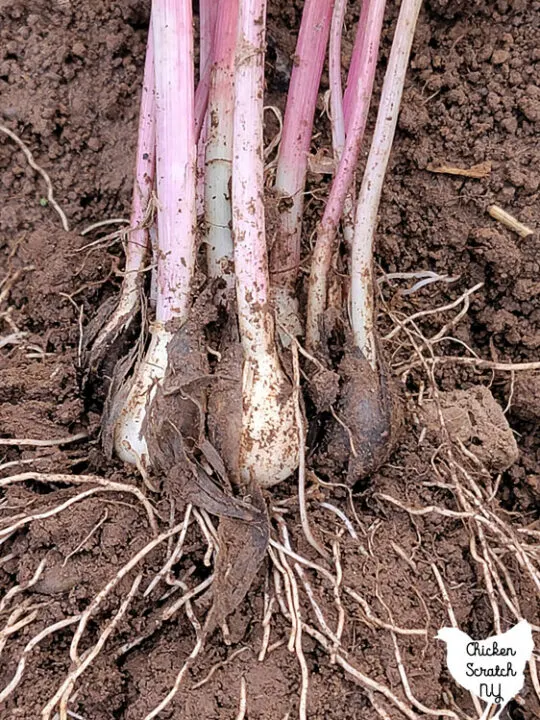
269 441
129 440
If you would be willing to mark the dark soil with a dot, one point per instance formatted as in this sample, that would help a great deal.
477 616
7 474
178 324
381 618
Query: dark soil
70 75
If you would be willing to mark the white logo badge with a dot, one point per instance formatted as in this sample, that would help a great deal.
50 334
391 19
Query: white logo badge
492 669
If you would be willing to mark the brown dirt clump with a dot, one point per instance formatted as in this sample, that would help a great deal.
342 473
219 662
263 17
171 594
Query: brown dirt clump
473 417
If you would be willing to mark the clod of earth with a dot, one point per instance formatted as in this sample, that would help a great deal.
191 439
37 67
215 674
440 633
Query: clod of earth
473 417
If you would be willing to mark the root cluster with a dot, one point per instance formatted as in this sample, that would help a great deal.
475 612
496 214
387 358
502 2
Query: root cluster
306 576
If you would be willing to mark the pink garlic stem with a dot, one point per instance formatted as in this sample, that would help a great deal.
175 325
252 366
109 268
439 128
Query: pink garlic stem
219 145
176 217
362 284
208 10
175 158
352 78
337 118
324 246
296 138
201 152
256 322
268 443
137 242
334 71
201 97
201 101
207 21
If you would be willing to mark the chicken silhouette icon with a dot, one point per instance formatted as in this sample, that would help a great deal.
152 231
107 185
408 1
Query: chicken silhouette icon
492 669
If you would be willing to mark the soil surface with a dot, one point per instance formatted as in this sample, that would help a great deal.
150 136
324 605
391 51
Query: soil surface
70 78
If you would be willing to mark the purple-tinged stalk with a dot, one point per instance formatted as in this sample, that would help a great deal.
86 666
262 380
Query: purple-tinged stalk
175 174
293 157
219 146
207 21
362 285
137 243
353 86
337 115
366 404
208 10
324 246
207 24
201 101
269 440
